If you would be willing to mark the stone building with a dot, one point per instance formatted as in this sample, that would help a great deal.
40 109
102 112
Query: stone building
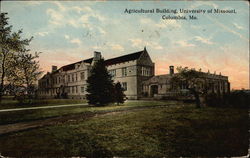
160 86
70 80
135 72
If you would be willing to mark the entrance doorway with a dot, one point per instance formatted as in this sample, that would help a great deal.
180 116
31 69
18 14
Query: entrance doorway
153 90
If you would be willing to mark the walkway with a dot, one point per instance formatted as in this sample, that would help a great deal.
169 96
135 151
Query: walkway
42 107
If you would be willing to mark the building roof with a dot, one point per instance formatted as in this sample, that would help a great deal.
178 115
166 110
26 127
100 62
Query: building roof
120 59
117 60
124 58
72 66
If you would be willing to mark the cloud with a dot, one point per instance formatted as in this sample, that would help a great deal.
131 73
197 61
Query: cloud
145 20
184 43
67 15
56 18
42 33
76 41
155 45
161 24
101 30
82 9
136 42
33 3
203 3
238 26
227 28
59 5
66 36
139 43
167 23
203 40
116 47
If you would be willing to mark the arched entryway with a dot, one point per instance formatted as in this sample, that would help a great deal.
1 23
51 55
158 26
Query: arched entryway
153 90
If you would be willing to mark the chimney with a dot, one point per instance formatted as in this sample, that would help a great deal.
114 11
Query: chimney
54 68
171 70
97 55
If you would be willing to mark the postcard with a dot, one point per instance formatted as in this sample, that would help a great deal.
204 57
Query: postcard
124 79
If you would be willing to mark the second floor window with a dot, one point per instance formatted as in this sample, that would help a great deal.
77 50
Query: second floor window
124 71
72 77
68 78
112 73
145 71
82 75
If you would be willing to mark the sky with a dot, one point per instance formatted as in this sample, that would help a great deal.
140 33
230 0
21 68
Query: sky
70 31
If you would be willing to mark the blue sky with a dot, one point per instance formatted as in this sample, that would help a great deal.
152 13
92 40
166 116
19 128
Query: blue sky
70 31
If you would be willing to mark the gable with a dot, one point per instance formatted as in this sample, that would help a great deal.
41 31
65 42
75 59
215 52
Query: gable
145 59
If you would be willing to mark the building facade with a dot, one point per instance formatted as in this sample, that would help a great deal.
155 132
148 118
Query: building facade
160 86
70 80
135 72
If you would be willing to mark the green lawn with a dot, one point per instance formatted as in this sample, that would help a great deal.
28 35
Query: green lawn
29 115
9 103
152 132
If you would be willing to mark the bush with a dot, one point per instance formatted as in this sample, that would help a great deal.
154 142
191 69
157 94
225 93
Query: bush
238 99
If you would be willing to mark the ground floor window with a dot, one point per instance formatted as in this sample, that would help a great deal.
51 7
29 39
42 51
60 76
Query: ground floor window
76 89
124 85
82 89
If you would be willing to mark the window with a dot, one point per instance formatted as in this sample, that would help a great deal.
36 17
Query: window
76 89
124 85
73 89
68 78
145 71
59 79
63 79
76 76
82 89
124 71
112 73
82 76
72 78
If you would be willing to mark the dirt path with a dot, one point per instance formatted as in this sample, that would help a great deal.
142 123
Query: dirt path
9 128
42 107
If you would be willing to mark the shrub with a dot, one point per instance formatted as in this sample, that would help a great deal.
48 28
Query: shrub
238 99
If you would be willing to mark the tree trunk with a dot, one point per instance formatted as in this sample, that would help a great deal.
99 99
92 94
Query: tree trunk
197 100
196 96
2 77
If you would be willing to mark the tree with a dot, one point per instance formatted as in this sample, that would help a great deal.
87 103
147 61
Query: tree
119 94
100 85
24 72
192 80
18 67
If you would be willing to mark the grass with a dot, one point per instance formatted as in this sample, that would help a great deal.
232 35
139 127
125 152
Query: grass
151 132
29 115
9 103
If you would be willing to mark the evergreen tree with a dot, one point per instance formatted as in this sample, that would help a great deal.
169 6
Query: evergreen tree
119 94
100 85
